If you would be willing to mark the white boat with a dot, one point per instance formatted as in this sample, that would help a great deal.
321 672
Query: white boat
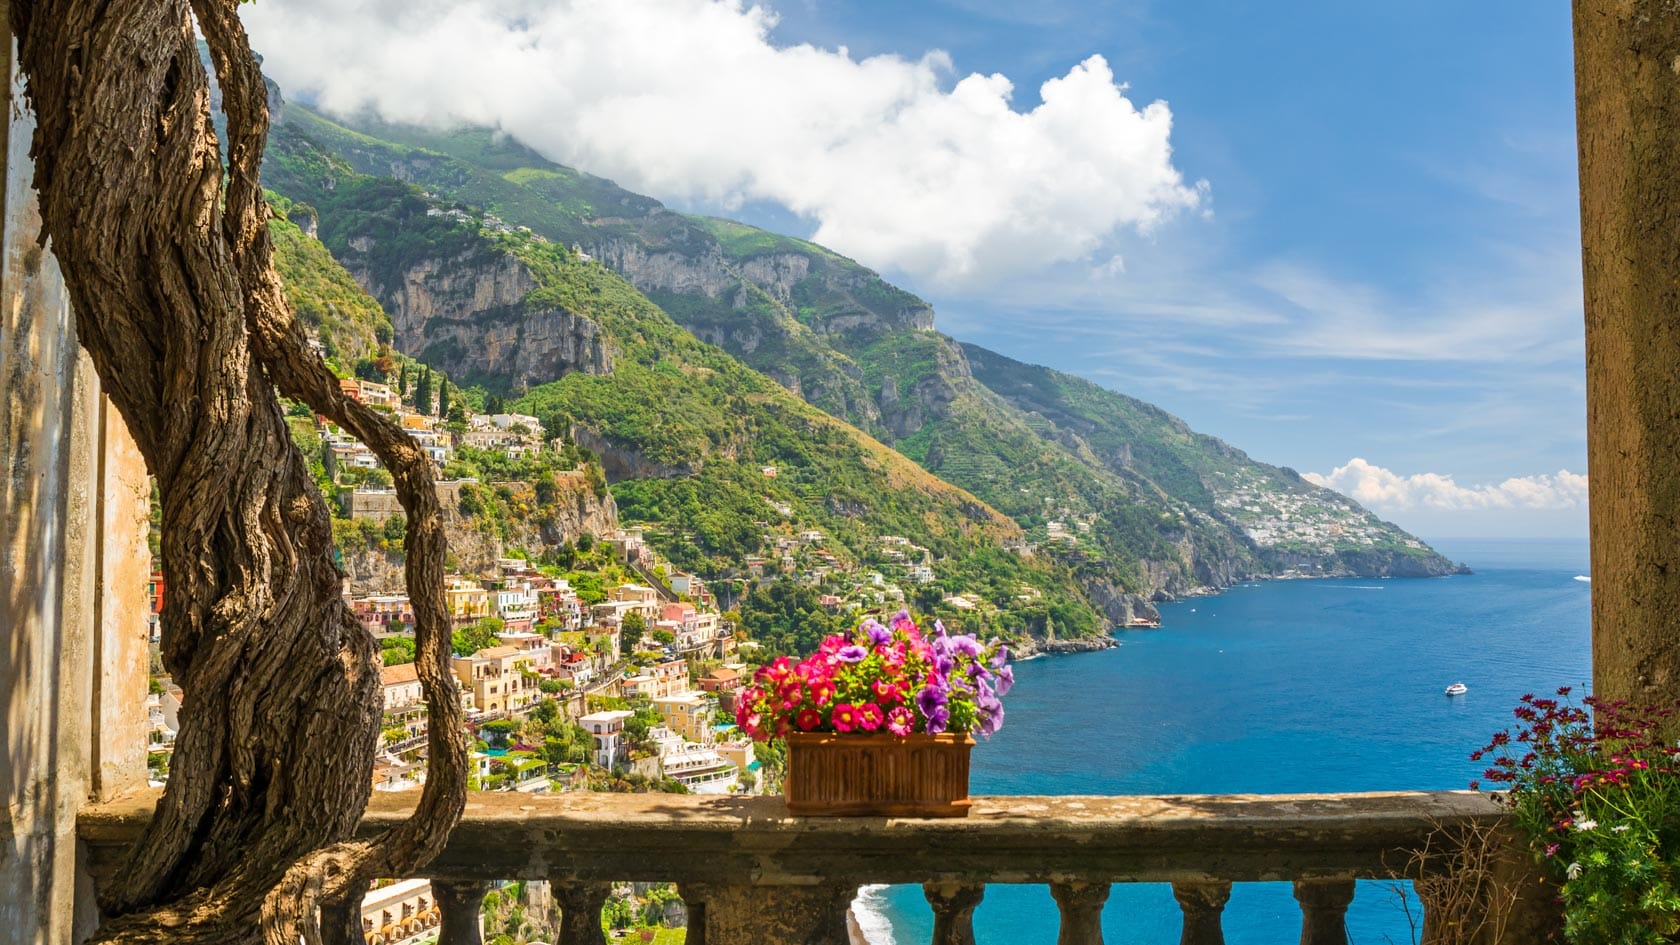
1457 689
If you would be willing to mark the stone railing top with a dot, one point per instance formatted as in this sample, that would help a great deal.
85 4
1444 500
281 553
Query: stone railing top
678 838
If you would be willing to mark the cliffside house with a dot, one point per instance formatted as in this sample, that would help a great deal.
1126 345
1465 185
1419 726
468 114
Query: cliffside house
607 728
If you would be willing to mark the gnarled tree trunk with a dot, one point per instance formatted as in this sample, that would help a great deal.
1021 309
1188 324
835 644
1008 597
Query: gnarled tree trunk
179 307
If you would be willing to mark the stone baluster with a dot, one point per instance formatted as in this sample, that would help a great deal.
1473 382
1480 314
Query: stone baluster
1202 905
580 910
722 913
1081 905
953 911
459 902
1324 905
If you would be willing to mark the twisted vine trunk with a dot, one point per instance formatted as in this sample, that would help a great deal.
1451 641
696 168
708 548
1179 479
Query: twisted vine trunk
178 305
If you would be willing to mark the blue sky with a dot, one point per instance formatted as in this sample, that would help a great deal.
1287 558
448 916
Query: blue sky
1349 231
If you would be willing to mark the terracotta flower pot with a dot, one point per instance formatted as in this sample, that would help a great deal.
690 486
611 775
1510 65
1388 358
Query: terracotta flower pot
857 775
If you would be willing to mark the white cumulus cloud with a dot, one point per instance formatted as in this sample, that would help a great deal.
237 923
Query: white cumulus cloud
1386 491
693 100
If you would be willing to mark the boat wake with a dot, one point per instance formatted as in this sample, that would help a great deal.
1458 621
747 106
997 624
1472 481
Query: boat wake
1583 577
869 909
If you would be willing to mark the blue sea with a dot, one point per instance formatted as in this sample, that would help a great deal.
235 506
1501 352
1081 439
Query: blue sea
1276 687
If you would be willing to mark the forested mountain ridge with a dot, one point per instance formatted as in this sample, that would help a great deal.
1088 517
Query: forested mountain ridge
1137 510
720 458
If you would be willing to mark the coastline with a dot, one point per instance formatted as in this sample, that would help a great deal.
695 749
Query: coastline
866 922
1032 649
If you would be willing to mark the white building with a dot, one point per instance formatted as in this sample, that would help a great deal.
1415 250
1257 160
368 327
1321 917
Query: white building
400 913
608 730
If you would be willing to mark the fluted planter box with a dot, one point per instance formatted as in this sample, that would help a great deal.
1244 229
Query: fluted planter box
857 775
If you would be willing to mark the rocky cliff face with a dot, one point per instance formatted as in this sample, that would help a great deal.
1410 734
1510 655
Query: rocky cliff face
467 315
789 278
475 544
651 270
903 412
622 462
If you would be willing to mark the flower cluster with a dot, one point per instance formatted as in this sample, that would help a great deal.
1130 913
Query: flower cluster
1596 789
882 678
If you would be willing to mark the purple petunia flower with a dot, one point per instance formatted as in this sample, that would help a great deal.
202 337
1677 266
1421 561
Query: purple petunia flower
938 720
852 654
930 699
965 645
1000 657
877 633
1005 680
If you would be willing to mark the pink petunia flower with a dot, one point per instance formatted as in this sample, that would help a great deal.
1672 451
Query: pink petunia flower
901 721
845 717
870 716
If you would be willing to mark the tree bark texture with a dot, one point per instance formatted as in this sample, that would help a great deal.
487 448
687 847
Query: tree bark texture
178 305
1627 76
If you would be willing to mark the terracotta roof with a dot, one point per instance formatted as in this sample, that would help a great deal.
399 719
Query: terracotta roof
397 675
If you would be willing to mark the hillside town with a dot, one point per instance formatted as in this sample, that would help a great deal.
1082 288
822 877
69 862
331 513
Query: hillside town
1305 520
646 671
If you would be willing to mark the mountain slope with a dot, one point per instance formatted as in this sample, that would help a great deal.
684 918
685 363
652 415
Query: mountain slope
720 456
1132 510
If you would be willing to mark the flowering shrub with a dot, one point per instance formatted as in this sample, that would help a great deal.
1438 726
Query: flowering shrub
881 678
1595 789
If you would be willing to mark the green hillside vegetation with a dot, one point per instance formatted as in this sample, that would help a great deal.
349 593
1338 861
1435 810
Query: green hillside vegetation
691 425
311 154
1127 433
979 443
322 294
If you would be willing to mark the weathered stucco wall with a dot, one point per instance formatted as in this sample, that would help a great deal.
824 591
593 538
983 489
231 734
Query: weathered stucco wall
73 566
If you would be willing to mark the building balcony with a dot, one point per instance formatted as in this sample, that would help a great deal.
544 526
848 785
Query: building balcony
750 873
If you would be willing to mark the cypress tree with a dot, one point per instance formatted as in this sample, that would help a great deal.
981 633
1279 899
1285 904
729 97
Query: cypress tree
423 391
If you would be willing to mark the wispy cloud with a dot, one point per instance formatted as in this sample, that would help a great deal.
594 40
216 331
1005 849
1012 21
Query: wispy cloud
1529 313
897 161
1386 491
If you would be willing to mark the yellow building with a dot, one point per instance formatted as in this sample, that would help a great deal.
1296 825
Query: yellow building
688 715
500 678
467 600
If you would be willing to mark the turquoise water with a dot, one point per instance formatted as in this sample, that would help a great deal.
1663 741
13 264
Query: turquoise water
1278 687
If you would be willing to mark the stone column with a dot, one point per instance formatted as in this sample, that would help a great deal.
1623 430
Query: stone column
1324 904
580 910
1081 905
459 902
953 911
1627 95
1202 905
724 914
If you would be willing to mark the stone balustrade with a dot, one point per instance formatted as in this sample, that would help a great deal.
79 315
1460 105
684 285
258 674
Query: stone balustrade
751 874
